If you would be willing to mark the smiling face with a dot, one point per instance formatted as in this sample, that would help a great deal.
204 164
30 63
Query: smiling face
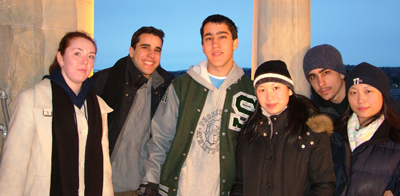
329 84
218 46
77 62
365 100
273 96
147 54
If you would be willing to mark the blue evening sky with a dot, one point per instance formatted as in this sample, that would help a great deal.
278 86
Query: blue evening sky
365 30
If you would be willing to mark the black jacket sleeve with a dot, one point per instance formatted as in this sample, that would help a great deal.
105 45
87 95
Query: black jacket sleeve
237 188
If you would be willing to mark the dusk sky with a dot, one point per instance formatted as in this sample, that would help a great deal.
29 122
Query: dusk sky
365 30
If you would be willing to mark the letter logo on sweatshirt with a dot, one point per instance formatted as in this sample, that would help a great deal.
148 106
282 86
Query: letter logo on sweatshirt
243 105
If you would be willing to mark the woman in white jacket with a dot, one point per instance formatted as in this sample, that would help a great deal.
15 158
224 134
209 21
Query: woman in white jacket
57 142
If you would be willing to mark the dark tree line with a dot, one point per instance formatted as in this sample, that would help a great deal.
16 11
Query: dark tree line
393 73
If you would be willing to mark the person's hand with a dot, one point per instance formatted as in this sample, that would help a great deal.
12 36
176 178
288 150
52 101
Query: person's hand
388 193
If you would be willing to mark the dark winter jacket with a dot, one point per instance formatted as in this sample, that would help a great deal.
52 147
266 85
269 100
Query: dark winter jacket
273 167
123 90
371 169
329 108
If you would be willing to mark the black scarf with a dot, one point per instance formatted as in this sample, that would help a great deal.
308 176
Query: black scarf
114 88
77 100
65 148
123 71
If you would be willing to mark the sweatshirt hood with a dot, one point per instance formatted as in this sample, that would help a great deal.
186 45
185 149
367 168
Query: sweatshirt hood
200 74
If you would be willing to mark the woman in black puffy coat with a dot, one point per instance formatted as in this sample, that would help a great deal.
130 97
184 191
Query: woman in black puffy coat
366 143
278 153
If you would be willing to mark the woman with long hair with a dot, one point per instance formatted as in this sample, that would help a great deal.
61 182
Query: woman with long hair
57 142
283 149
366 142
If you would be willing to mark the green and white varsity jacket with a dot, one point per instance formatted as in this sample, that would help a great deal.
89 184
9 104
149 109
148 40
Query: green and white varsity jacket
178 116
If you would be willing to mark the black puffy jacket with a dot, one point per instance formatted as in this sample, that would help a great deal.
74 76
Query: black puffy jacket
274 167
371 169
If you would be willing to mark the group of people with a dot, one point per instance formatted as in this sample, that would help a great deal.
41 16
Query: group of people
134 129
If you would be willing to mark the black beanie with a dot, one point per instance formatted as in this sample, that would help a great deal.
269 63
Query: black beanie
365 73
323 56
273 71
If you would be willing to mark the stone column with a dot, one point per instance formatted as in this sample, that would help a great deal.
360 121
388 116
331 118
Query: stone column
30 31
281 31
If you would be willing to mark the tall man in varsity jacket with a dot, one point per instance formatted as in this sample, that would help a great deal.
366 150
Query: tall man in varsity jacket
192 151
133 87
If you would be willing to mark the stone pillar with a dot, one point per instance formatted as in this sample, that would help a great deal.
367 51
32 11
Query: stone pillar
281 31
30 31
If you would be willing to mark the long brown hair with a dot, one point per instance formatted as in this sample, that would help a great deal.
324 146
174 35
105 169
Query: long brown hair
65 42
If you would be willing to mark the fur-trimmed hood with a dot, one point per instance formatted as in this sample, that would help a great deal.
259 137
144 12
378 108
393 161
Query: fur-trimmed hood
320 123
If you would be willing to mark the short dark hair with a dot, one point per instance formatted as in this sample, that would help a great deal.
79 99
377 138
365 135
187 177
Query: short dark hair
66 42
148 30
220 19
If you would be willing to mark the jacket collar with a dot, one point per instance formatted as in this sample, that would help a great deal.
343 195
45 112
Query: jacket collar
42 96
382 133
133 75
276 122
157 79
